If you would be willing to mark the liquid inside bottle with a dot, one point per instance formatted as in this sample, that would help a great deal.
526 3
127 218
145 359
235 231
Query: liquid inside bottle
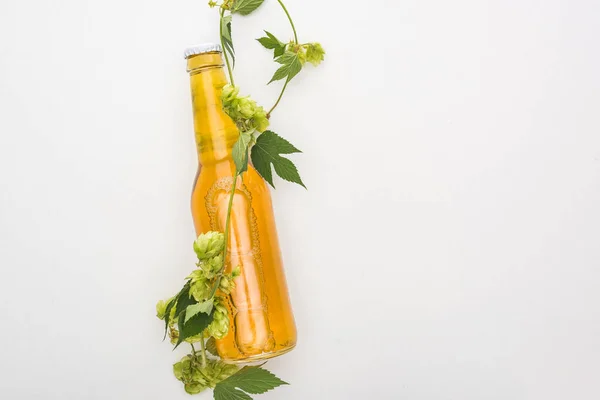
261 319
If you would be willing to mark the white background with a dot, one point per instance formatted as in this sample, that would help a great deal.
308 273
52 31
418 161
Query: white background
447 247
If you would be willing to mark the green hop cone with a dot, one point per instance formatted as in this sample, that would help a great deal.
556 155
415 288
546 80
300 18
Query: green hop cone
302 55
200 290
173 334
244 111
236 272
260 120
226 285
229 93
209 245
212 266
197 378
219 327
246 107
315 53
194 388
161 309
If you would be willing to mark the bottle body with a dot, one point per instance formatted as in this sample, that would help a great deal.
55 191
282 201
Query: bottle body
261 319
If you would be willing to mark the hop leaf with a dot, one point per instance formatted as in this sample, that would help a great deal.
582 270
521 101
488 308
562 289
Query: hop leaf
267 151
240 152
291 66
204 307
272 43
193 327
226 37
253 380
245 7
170 308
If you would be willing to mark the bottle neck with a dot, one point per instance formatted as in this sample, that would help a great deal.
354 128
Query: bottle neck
215 132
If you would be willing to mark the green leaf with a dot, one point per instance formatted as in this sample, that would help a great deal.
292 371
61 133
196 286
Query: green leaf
253 380
168 314
269 42
226 37
279 51
229 393
246 7
272 43
267 151
172 303
287 58
291 66
195 326
211 346
240 152
204 307
184 300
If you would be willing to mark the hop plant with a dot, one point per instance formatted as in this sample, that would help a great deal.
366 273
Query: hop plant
197 378
209 245
244 111
315 53
219 327
211 266
200 286
161 309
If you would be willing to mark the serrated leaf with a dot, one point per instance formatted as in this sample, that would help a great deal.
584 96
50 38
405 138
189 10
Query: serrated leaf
211 346
253 380
279 51
268 43
172 304
229 393
226 27
291 66
288 171
272 43
267 151
195 326
240 152
246 7
184 300
204 307
287 57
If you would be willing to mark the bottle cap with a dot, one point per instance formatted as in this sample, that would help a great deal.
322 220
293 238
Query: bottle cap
202 48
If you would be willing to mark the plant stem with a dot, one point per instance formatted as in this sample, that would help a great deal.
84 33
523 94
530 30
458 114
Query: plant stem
296 42
203 353
226 236
223 48
228 219
278 99
291 22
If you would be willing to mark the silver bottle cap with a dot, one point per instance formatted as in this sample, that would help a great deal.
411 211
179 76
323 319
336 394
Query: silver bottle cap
202 48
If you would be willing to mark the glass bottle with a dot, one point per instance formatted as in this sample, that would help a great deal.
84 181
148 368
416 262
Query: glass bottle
261 319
